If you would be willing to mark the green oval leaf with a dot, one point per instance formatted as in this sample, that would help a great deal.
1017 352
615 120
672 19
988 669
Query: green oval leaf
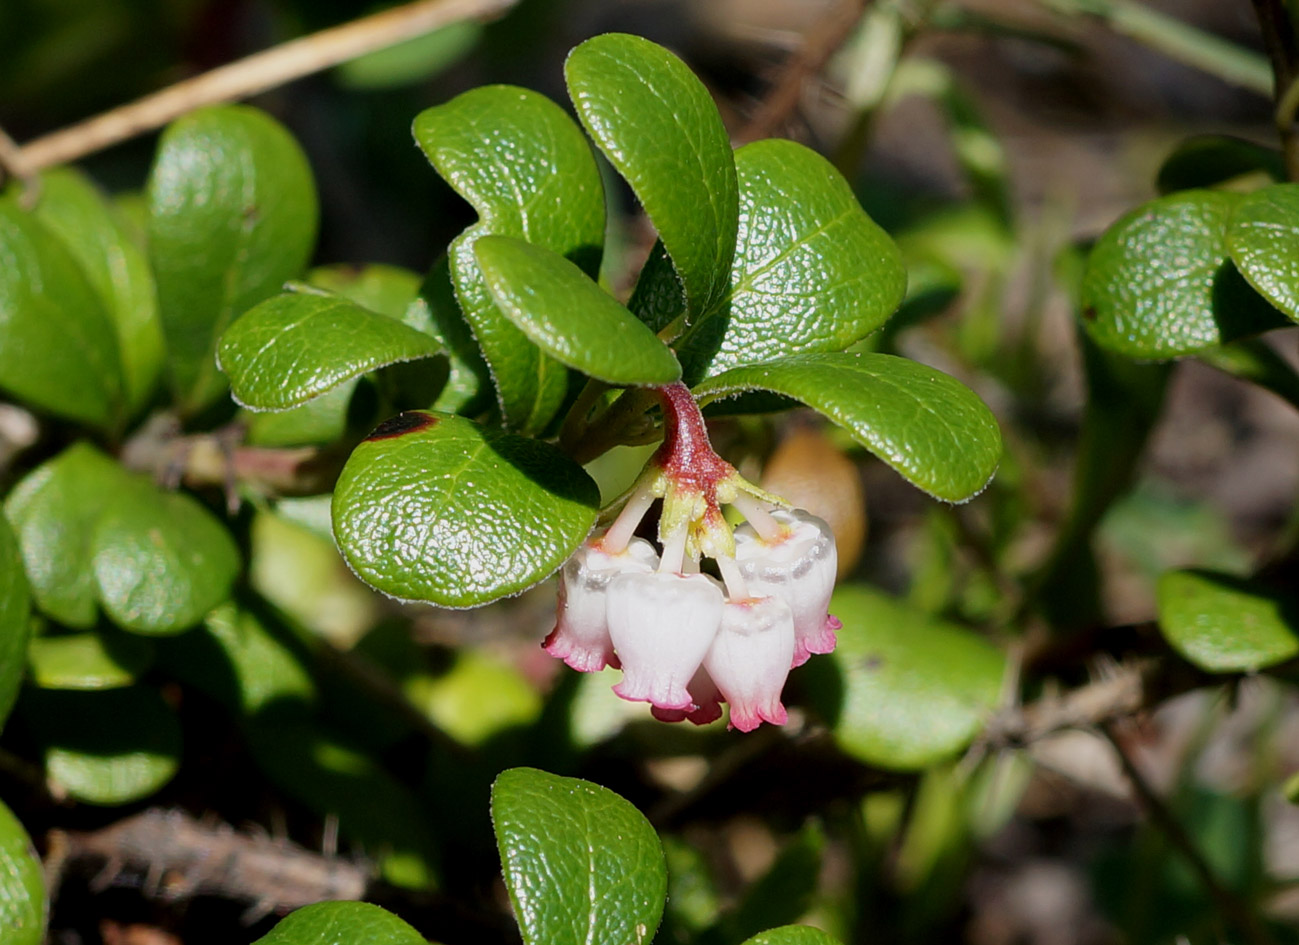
925 424
298 345
581 863
117 269
54 510
657 124
109 747
812 271
161 561
571 318
1264 244
527 170
60 346
433 507
87 660
1225 624
1159 283
341 923
792 935
22 885
15 618
913 690
232 217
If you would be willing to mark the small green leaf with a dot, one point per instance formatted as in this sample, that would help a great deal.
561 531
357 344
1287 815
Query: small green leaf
433 507
412 61
914 690
812 271
265 669
793 935
54 511
15 619
581 863
658 126
60 346
109 747
571 318
1226 624
1264 244
1159 283
87 660
341 923
478 697
388 290
1210 160
299 345
527 170
22 885
928 426
117 269
161 560
232 217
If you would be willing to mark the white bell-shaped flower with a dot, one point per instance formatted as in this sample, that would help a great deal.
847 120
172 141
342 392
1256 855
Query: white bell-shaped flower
750 659
581 634
799 568
705 698
661 625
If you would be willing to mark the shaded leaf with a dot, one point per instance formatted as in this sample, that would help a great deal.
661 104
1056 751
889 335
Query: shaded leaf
525 168
925 424
581 863
1227 624
22 885
87 660
434 507
15 619
1209 160
232 217
571 318
658 126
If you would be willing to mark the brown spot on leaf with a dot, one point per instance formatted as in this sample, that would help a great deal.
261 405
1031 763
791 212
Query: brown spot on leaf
1089 313
409 422
873 662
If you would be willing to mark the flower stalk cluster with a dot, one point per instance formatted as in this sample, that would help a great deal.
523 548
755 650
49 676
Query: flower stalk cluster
688 641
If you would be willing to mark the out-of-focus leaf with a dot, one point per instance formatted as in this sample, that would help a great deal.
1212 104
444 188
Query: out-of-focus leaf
60 346
320 420
1225 624
1160 283
581 863
568 316
22 885
15 618
265 670
476 698
529 173
657 124
914 690
87 660
1209 160
341 923
925 424
388 290
434 507
414 60
793 935
232 217
110 747
117 270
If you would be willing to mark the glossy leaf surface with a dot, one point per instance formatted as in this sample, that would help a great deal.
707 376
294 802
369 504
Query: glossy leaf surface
54 510
22 885
1264 244
527 170
571 318
658 126
580 862
298 345
109 747
232 217
913 690
341 923
812 271
60 347
1159 283
434 507
116 268
1226 624
792 935
925 424
15 618
161 560
87 660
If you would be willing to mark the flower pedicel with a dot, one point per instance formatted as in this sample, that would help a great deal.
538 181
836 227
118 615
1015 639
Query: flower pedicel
685 641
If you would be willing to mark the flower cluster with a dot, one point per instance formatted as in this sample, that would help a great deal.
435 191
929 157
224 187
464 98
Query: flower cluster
685 641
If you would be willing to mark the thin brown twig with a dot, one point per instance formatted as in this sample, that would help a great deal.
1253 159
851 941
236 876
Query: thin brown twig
1229 904
818 45
246 77
1282 48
